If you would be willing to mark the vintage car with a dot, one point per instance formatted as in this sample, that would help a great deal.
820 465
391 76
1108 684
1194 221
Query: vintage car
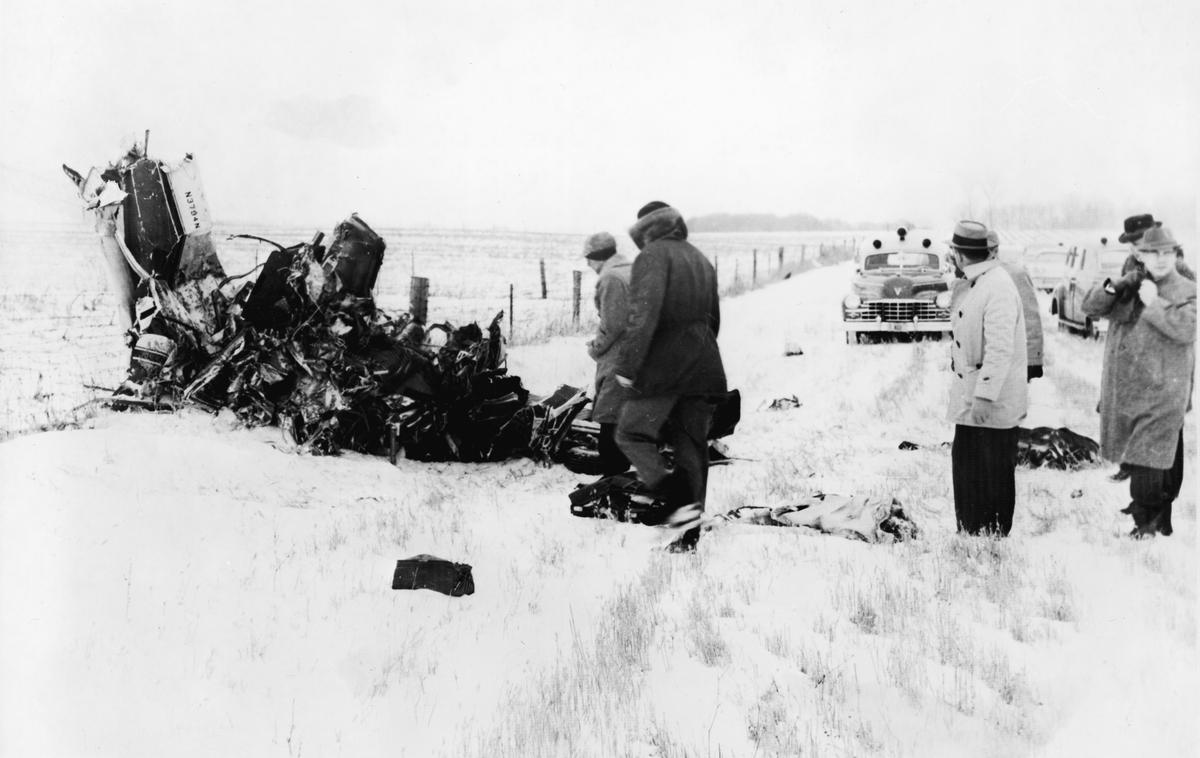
1046 265
1085 267
899 288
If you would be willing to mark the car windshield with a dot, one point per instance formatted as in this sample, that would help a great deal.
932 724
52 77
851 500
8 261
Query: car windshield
1112 260
1052 258
901 260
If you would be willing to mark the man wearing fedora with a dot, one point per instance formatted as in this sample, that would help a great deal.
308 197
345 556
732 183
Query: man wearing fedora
988 395
672 366
1147 375
612 303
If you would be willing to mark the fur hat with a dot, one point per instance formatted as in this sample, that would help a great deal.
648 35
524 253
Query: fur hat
1156 239
651 207
599 247
656 221
1136 226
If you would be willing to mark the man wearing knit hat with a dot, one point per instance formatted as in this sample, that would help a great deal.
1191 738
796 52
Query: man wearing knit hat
612 303
988 395
1146 379
672 365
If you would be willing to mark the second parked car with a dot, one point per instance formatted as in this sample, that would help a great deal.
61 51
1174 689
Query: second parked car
1046 265
1085 267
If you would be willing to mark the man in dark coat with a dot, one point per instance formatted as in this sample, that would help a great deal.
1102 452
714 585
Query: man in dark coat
672 365
612 305
1146 381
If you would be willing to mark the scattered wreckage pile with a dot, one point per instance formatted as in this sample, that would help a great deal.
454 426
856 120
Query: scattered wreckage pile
302 345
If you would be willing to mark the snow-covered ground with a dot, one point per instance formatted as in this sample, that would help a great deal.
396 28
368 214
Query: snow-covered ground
177 585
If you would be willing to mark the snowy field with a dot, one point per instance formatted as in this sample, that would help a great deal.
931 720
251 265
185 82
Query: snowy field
176 585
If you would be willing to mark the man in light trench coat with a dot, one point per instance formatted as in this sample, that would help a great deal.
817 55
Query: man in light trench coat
988 396
612 304
1146 381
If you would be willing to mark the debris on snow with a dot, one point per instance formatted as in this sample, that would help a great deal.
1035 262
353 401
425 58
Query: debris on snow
1043 447
428 572
784 403
1058 448
865 518
302 345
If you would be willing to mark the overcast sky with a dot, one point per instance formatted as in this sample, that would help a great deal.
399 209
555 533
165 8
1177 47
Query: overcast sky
569 116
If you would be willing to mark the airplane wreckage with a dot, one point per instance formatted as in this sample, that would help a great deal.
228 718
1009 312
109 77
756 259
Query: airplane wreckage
303 345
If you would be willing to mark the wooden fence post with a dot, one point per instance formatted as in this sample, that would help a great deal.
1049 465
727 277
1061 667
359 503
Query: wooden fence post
577 282
510 312
418 298
780 258
542 265
754 268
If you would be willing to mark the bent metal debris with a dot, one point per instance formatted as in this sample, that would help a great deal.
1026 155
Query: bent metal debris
302 345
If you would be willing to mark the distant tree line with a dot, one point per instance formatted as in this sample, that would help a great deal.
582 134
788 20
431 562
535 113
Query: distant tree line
1071 213
765 222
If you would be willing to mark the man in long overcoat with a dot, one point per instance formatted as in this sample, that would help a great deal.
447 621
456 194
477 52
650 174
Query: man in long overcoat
1029 305
612 305
988 396
1146 381
671 362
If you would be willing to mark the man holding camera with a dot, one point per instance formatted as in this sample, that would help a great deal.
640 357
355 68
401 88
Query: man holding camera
1146 381
988 396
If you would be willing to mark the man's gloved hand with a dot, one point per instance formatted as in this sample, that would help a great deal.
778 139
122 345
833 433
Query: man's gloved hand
624 382
1147 292
981 410
1127 283
1033 372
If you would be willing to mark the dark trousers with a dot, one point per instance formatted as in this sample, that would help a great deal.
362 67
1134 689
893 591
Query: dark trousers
983 462
612 460
681 422
1153 492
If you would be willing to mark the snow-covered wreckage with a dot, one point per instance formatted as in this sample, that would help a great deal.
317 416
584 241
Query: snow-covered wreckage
302 345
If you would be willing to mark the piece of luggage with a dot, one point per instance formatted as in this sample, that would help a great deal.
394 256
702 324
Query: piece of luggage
428 572
620 497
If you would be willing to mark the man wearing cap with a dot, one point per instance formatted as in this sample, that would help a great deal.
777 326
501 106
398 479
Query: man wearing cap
1029 304
670 361
612 303
988 392
1146 380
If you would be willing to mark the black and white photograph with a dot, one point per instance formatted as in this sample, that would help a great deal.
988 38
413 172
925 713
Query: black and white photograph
599 380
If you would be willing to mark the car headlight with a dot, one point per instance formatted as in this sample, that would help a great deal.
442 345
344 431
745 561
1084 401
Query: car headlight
852 301
942 300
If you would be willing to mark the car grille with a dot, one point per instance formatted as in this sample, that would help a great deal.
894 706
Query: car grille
898 310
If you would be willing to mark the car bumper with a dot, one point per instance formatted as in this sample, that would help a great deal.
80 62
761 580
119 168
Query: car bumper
896 326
